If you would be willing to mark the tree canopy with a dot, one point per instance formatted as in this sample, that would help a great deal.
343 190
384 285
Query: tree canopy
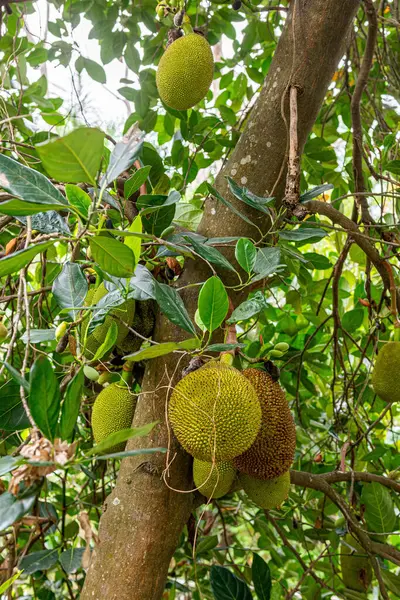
298 271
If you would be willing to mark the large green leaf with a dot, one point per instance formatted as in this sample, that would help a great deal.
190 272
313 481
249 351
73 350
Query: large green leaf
213 303
71 405
171 304
70 288
379 511
74 158
113 256
121 436
12 413
12 508
211 255
29 185
44 397
246 254
226 586
39 561
132 184
123 155
71 559
261 576
162 349
18 260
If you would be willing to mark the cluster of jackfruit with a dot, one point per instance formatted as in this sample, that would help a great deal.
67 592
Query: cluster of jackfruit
239 429
185 72
385 379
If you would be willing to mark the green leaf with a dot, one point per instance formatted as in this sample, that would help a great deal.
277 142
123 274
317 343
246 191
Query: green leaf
79 199
223 347
352 319
206 544
268 261
19 208
74 158
171 304
8 463
135 243
218 196
127 453
317 191
109 342
226 586
392 582
44 397
211 254
29 185
12 508
71 559
71 405
38 336
12 412
112 256
132 184
132 57
302 234
157 350
393 166
246 254
243 194
39 561
16 375
247 309
7 584
70 288
379 511
123 155
261 576
213 303
18 260
121 436
319 261
94 70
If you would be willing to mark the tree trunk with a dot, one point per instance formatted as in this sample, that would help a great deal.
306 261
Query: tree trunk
144 518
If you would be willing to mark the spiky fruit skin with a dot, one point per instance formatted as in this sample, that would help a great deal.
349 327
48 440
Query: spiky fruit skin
213 480
273 450
385 376
185 72
355 565
112 411
266 494
215 413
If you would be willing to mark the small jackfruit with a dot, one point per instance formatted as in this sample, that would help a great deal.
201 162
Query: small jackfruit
143 323
266 494
385 378
185 71
355 565
123 315
215 413
112 411
213 480
273 450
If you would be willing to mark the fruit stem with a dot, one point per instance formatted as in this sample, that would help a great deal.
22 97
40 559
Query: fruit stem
127 374
186 26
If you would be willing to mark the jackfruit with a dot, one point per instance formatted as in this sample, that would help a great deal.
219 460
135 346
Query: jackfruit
266 494
385 378
213 480
355 565
112 411
185 72
123 315
273 450
215 413
143 323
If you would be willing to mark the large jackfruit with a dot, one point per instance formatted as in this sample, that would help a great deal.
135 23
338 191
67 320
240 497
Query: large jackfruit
355 565
386 373
213 480
112 411
185 72
266 494
215 413
273 450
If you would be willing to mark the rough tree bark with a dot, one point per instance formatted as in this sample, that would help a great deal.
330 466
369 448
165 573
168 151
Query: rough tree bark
143 518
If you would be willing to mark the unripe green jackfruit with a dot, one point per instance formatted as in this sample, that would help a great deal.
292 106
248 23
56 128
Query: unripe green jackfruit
185 72
355 565
215 413
213 480
123 315
273 450
266 494
385 376
112 411
143 323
